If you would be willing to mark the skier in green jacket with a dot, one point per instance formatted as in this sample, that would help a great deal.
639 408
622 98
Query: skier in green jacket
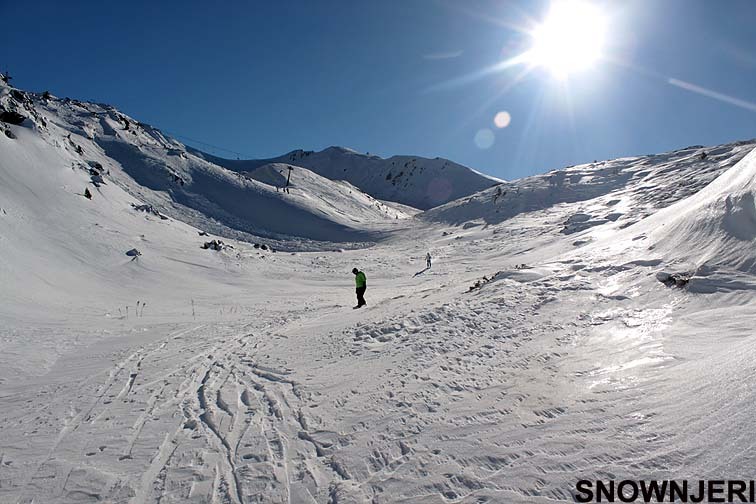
361 283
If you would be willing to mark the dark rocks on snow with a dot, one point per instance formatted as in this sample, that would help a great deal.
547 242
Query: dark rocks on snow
483 281
96 179
11 117
9 133
216 245
148 209
95 165
486 279
478 284
263 247
673 279
18 95
95 173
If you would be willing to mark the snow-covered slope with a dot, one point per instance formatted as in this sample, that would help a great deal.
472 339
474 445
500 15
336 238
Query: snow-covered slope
539 349
339 199
623 190
717 225
709 237
160 172
65 255
410 180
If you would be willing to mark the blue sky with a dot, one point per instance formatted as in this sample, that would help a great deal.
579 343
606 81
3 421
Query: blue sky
394 76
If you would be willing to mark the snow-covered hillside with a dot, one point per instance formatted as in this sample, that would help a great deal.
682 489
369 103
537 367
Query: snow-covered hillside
337 197
160 172
410 180
709 237
623 190
590 323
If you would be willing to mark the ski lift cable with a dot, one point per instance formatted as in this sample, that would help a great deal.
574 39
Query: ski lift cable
199 142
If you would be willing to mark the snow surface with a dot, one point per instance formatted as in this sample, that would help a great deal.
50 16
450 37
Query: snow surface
538 350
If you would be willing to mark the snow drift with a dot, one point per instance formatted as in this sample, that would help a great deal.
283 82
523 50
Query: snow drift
708 240
717 225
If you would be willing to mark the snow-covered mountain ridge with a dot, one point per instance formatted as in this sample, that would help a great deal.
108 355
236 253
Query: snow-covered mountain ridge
624 190
161 172
410 180
226 198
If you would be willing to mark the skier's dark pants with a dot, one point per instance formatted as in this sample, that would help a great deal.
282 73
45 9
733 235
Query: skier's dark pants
360 296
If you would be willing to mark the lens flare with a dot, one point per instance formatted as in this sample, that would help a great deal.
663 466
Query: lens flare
484 138
502 119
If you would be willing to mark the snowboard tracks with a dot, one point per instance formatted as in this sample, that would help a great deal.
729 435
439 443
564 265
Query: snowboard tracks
281 443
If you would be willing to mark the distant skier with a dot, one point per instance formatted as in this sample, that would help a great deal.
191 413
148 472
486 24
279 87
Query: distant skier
361 283
87 194
427 260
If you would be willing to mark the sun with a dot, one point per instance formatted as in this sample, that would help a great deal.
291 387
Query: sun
570 39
